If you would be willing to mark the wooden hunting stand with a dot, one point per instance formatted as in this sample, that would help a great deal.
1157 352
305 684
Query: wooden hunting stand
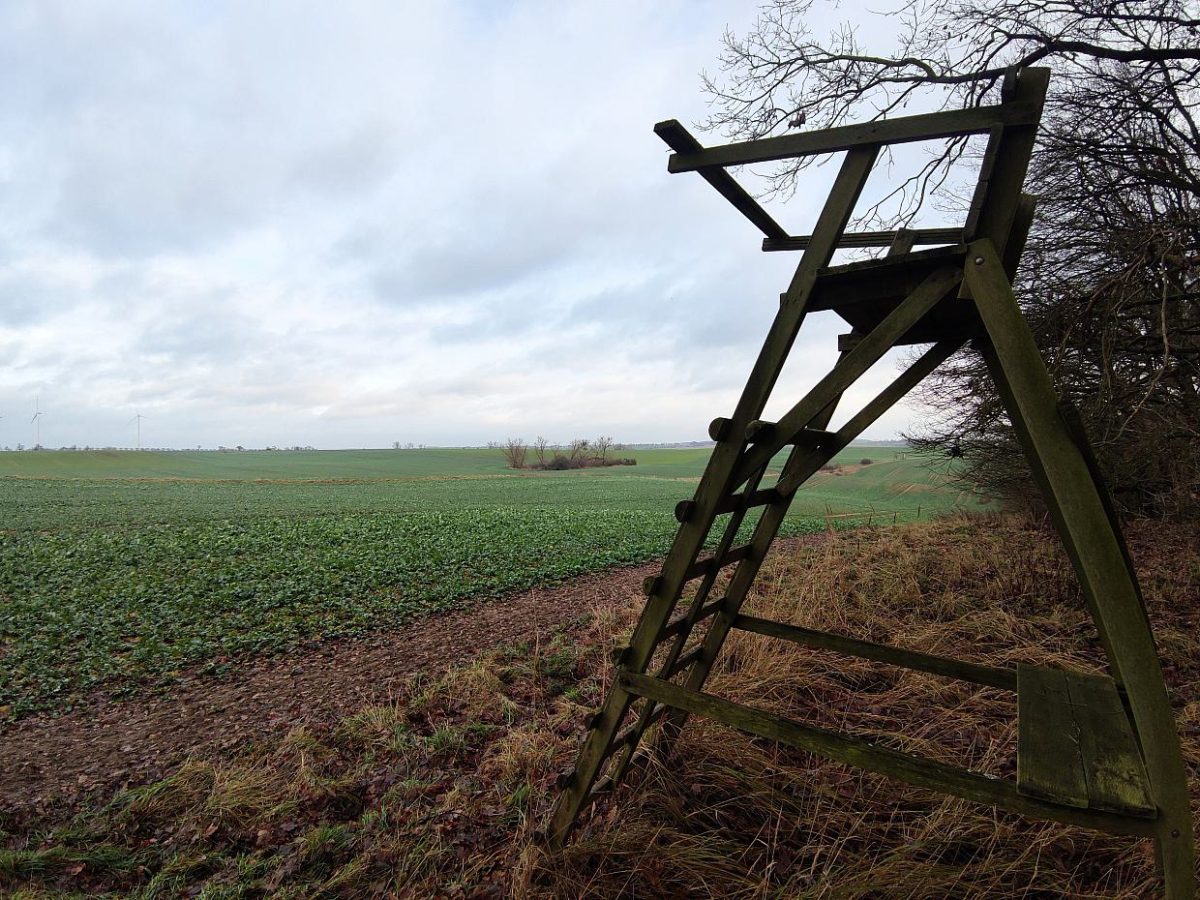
1096 751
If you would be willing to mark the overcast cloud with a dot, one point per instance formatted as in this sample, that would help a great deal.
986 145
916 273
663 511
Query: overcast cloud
354 223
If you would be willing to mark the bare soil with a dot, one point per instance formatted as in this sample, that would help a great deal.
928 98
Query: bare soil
49 762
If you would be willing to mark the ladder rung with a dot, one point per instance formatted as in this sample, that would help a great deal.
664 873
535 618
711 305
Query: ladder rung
705 612
764 497
635 729
684 661
818 437
704 566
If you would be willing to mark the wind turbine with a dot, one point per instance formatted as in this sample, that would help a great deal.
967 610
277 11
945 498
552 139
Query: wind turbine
37 418
138 418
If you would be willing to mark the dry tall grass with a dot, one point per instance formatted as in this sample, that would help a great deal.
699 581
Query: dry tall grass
442 793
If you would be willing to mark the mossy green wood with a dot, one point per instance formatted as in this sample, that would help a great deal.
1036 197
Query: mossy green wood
1088 774
1049 765
1112 763
927 127
1095 551
855 751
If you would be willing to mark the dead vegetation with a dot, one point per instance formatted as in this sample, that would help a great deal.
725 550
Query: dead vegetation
442 792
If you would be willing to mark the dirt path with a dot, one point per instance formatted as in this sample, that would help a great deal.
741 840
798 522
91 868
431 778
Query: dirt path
47 762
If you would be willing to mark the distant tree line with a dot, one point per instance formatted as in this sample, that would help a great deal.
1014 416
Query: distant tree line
579 453
1111 275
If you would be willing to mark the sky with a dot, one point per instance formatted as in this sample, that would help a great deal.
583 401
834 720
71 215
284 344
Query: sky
348 224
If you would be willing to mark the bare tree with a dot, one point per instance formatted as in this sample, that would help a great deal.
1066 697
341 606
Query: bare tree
601 446
540 446
514 452
579 449
1112 273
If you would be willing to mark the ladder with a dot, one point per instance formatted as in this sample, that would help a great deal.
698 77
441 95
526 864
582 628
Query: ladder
1095 751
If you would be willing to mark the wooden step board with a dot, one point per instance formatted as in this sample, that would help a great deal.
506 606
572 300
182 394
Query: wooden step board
1075 745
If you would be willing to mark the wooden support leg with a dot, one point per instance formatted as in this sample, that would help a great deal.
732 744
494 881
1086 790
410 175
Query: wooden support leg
1088 536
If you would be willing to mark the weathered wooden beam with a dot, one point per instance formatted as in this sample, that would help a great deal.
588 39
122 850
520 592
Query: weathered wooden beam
926 127
680 140
924 773
870 281
1049 765
931 291
1024 385
854 239
998 192
804 468
1005 679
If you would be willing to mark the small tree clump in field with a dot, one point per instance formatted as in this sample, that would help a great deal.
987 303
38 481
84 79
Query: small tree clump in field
580 453
540 446
865 462
514 453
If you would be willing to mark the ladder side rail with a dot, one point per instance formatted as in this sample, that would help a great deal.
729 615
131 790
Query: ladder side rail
1088 536
685 626
801 465
714 484
850 367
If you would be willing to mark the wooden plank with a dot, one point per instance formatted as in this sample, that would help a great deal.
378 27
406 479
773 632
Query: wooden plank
1088 537
681 141
937 286
926 127
1005 679
875 284
1049 764
855 239
863 754
922 261
1112 765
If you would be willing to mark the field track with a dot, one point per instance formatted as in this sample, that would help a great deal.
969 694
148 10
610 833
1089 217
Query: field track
108 743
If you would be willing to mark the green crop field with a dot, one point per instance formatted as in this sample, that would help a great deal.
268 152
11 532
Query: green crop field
120 570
